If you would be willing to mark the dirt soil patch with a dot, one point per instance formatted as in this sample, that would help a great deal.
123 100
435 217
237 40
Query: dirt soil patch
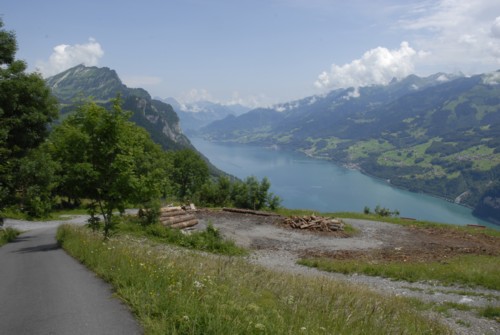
376 241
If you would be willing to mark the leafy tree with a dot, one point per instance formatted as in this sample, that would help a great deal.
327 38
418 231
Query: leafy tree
26 109
254 195
109 160
37 181
189 172
216 193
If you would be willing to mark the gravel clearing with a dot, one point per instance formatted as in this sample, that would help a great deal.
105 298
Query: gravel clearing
278 248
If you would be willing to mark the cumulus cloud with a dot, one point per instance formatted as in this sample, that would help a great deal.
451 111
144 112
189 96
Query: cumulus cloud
65 56
459 34
376 67
495 28
195 95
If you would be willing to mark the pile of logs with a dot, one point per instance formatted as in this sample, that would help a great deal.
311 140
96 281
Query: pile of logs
315 223
177 217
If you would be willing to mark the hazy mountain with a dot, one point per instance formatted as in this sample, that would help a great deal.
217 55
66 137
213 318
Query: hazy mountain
196 115
103 84
439 134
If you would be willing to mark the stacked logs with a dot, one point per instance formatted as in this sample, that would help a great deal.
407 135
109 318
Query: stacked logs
315 223
177 217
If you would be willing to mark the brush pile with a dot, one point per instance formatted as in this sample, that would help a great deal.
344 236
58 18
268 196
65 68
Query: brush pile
178 217
314 223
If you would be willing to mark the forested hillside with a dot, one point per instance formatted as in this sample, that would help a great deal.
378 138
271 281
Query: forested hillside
438 135
73 86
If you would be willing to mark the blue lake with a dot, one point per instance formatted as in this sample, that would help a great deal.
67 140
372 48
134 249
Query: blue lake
307 183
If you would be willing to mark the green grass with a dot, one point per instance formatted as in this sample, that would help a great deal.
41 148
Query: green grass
8 235
469 270
177 291
55 215
209 240
491 312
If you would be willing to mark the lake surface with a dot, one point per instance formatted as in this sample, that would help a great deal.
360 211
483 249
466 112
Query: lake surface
306 183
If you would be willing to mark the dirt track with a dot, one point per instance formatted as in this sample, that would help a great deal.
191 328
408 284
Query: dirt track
279 248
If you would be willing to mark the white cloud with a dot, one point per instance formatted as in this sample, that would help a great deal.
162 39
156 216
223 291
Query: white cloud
376 67
495 28
459 34
195 95
492 78
66 56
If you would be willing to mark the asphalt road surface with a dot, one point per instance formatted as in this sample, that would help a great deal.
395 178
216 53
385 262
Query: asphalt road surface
45 291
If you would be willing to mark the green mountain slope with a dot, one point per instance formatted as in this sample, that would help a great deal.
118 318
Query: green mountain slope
439 135
102 85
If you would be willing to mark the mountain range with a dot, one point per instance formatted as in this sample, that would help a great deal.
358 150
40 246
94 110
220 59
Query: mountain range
102 84
438 134
198 114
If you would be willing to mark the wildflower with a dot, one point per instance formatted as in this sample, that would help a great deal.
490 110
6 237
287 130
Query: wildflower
198 284
303 329
290 300
259 326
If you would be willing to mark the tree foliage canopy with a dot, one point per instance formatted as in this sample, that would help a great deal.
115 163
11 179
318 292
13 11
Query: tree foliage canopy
26 109
108 159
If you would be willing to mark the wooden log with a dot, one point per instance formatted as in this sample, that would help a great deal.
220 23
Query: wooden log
185 224
176 219
171 214
170 209
248 211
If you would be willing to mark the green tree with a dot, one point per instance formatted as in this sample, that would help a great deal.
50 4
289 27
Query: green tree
189 172
37 181
26 109
216 193
109 160
254 195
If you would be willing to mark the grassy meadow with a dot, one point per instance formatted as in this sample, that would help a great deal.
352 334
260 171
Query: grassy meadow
174 290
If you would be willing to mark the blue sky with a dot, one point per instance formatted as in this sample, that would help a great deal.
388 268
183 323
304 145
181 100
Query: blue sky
256 52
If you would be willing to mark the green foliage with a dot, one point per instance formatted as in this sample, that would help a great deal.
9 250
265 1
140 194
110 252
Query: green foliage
26 109
209 240
38 179
108 160
7 235
491 312
176 292
189 172
381 211
149 214
249 194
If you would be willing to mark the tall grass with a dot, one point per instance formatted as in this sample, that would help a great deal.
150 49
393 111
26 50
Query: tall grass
471 270
209 240
176 291
8 235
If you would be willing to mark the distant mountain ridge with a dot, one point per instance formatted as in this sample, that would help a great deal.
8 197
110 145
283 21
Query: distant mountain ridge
439 134
196 115
102 85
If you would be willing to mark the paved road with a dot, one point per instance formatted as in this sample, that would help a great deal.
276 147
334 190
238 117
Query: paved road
45 291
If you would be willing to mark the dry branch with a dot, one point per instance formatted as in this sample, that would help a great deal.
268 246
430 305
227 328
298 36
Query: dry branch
315 223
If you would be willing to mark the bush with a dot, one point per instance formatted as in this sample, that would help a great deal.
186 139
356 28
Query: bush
8 235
